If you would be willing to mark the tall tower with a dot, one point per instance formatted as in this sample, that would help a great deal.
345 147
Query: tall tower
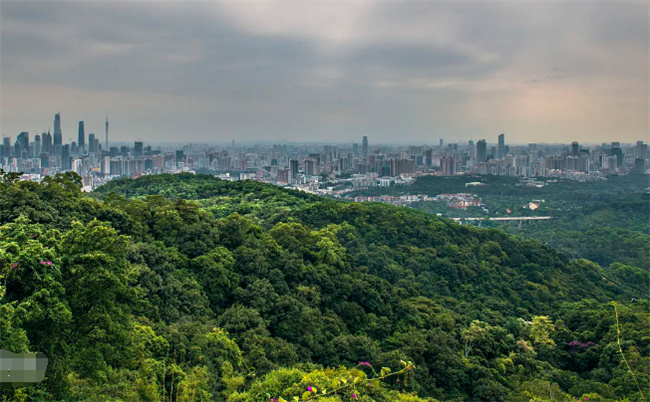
481 151
6 146
46 140
81 139
364 146
58 135
106 125
502 145
91 143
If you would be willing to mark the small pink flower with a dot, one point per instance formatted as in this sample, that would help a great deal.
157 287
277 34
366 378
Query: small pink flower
49 263
43 262
310 389
354 396
14 265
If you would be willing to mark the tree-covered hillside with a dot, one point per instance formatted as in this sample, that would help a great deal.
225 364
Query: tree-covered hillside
606 221
185 287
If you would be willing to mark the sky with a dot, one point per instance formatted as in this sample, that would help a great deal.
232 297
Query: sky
398 72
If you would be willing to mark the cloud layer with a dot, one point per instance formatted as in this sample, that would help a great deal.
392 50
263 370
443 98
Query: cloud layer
328 71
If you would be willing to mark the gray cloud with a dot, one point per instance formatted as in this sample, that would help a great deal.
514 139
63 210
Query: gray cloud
413 71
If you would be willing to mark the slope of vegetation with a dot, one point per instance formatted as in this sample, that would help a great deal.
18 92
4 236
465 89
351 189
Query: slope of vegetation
606 221
194 288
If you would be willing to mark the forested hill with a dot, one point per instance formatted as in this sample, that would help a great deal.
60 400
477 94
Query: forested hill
186 287
606 221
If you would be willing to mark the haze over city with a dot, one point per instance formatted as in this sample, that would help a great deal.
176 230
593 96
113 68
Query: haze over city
328 71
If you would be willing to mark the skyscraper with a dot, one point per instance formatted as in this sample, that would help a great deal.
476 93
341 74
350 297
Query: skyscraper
293 168
502 146
481 151
45 160
36 149
81 139
106 124
428 158
641 150
23 140
448 165
21 148
309 167
18 150
57 138
364 146
57 123
575 148
91 143
6 147
66 162
46 141
618 152
137 148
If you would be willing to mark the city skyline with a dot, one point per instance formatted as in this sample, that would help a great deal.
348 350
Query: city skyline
311 166
328 72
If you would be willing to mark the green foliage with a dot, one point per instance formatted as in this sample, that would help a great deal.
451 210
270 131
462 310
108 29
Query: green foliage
186 287
606 221
329 384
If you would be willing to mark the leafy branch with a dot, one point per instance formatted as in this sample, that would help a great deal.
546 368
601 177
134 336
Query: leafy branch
311 393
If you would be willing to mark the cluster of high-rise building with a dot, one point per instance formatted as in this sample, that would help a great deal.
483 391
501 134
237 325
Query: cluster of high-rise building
309 165
551 160
46 154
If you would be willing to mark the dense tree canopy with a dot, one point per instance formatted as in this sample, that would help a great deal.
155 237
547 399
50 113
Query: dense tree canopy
193 288
606 221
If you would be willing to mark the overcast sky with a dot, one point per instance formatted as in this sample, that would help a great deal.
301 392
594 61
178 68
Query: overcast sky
328 71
